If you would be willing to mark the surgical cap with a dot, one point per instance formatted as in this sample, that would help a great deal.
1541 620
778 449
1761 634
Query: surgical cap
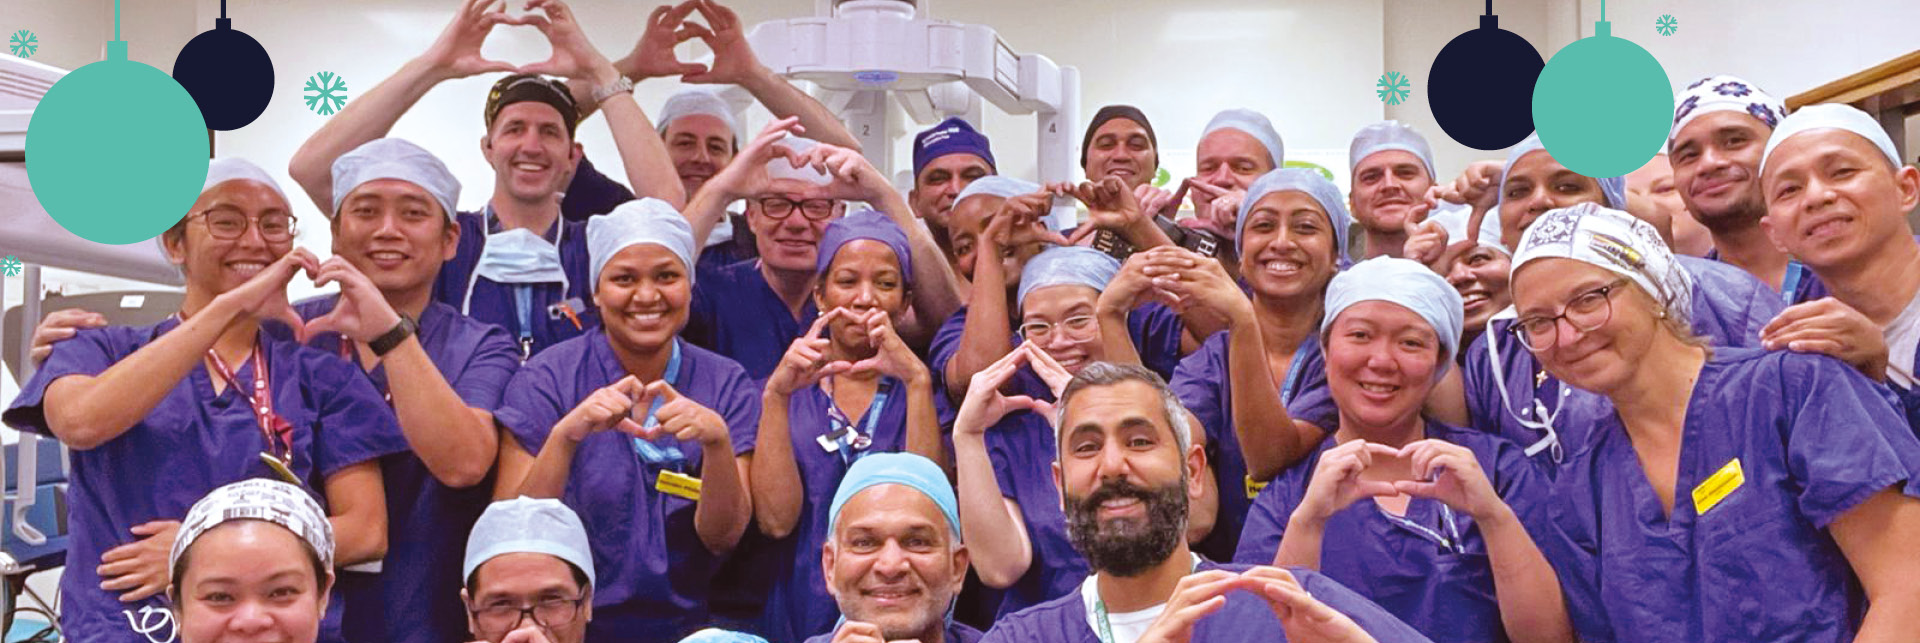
1314 185
521 88
1389 135
1067 266
717 635
1111 112
1613 240
1454 217
1834 116
905 469
866 224
393 158
1724 94
260 499
951 136
1405 282
692 102
1613 188
528 526
645 220
1005 187
1255 125
781 168
221 171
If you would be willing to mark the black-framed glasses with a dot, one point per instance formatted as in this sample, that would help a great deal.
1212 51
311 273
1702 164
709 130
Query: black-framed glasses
505 615
1585 312
227 223
1079 328
777 207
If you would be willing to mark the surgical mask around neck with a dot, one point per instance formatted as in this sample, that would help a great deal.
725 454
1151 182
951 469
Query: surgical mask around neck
520 256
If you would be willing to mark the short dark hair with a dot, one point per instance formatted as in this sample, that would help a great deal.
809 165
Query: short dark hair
1108 374
579 575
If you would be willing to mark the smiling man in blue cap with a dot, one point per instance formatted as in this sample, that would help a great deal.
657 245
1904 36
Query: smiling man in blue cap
894 558
946 157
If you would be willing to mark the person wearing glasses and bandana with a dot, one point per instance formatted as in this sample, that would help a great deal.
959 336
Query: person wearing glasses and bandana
647 436
1732 494
1430 521
528 574
159 415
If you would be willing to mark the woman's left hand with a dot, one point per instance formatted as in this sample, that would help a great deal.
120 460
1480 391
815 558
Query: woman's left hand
1449 473
683 418
891 355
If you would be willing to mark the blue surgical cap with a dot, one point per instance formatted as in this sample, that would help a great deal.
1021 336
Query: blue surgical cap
646 220
1066 266
1405 282
904 469
1004 187
1254 124
717 635
528 526
1314 185
1389 135
866 224
951 136
394 158
1614 188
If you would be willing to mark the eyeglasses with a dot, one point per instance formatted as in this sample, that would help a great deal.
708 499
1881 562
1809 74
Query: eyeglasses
1585 312
1079 329
505 615
781 207
227 224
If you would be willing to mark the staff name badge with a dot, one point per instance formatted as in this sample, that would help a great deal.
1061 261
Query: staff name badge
678 484
1254 487
1716 487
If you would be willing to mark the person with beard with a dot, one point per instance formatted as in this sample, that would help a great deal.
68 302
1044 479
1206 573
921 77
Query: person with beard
518 264
1837 198
894 558
1126 468
946 159
1237 147
834 400
1392 172
648 437
752 311
1654 182
1720 129
1430 521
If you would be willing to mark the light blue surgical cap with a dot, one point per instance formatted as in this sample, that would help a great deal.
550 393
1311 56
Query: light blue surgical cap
1314 185
904 469
1832 116
717 635
1254 124
688 102
1405 282
393 158
528 526
1613 188
996 185
645 220
1389 135
1066 266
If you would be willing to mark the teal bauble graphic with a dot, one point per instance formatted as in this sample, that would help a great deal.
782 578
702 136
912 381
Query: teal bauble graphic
1603 105
117 151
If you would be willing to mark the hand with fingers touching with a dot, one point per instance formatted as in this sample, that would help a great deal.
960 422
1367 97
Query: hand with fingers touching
264 296
1426 238
1338 480
1019 222
59 326
1477 186
1191 281
734 62
574 56
653 56
892 357
854 177
456 53
682 417
1048 368
362 313
1450 473
1152 200
1305 618
138 569
807 360
862 632
985 405
746 176
1194 597
1829 327
1111 206
1215 209
607 408
530 633
1132 286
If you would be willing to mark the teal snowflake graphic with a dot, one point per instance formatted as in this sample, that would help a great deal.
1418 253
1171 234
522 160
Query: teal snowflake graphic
24 44
10 266
1666 25
327 93
1393 88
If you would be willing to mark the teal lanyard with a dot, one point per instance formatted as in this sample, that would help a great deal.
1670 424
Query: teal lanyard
846 437
649 452
1790 286
1293 376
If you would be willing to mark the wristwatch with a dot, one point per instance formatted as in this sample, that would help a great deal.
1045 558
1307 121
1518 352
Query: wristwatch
391 339
601 94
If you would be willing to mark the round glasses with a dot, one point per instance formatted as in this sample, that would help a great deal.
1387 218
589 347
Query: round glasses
1585 312
781 207
1079 329
227 224
505 615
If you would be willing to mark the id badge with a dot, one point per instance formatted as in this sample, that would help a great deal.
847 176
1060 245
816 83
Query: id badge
1254 487
678 484
280 467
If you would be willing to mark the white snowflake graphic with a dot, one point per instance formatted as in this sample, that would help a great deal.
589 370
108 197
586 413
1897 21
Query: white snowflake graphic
24 43
10 266
1666 25
326 93
1393 88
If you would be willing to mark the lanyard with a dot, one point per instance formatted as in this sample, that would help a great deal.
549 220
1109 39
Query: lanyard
523 305
1105 631
277 431
1449 541
650 453
846 438
1790 285
1293 375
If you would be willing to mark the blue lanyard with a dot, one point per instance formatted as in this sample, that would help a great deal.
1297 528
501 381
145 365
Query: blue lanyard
845 436
1449 541
523 304
1293 375
669 454
1790 286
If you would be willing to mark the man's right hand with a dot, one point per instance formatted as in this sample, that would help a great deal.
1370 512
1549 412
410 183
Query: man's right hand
746 177
652 56
60 326
859 632
456 54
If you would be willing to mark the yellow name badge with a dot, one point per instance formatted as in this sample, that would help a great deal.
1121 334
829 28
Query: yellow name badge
1254 487
678 484
1716 487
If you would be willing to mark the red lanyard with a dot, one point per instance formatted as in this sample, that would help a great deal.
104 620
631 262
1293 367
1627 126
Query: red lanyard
277 431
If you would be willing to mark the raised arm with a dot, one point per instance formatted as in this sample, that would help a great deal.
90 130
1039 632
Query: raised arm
936 291
988 333
996 533
775 481
735 63
745 177
642 151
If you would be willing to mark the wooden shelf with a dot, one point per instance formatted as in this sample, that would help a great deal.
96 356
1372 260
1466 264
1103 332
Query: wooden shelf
1890 86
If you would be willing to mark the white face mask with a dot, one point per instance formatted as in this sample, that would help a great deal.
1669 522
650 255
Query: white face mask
519 256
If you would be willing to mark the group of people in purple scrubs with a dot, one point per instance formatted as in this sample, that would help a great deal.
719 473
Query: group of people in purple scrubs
755 392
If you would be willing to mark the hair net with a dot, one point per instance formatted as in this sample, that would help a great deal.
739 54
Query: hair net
1064 266
1255 125
951 136
902 469
689 102
781 168
1614 188
866 224
1723 94
1405 282
258 499
1111 112
1834 116
1613 240
528 526
393 158
1005 187
645 220
1302 180
717 635
1389 135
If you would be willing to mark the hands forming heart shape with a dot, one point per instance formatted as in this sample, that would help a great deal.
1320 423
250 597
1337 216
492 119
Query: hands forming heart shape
361 314
1430 468
456 53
